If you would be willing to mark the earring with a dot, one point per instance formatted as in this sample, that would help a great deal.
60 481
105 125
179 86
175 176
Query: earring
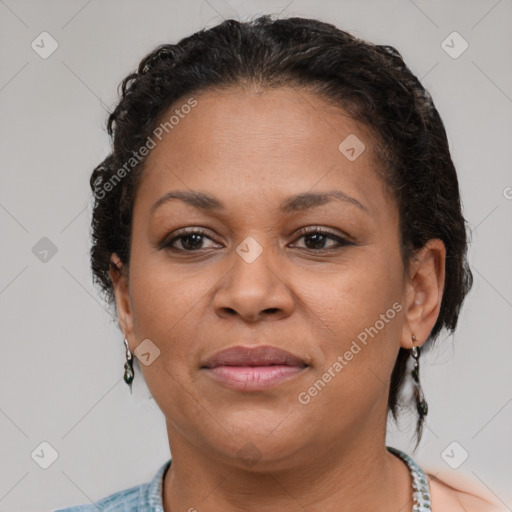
421 403
128 366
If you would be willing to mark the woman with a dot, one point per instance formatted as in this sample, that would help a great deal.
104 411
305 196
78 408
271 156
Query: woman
279 226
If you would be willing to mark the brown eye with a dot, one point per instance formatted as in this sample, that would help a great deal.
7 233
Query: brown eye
316 238
190 239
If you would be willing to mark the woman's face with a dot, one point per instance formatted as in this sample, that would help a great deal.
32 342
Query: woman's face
339 302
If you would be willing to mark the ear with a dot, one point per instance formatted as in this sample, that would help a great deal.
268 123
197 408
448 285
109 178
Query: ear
424 293
119 277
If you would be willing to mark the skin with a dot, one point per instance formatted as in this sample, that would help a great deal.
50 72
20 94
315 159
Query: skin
251 149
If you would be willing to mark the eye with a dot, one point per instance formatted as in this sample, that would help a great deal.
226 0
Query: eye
317 237
190 239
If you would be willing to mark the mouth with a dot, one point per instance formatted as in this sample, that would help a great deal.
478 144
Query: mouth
253 368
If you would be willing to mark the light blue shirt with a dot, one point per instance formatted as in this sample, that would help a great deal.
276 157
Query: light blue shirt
140 498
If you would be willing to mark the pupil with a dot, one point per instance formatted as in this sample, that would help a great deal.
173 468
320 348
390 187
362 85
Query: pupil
319 238
193 244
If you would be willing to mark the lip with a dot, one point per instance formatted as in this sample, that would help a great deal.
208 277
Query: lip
253 368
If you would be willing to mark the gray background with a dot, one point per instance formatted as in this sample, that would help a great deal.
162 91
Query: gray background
62 356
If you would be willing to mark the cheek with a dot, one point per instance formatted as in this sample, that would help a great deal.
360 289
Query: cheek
171 306
165 306
355 296
361 305
162 295
358 351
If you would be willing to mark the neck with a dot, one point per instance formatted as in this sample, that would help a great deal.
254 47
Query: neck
359 475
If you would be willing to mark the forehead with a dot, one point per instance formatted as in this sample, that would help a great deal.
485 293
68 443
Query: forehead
259 143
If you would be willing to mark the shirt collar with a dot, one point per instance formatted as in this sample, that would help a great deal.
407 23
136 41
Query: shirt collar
150 497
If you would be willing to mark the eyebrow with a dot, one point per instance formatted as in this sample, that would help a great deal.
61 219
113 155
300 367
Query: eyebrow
299 202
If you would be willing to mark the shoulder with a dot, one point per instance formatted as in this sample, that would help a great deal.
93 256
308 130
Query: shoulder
447 498
126 500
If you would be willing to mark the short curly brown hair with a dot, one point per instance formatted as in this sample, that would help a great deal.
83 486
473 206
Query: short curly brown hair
370 82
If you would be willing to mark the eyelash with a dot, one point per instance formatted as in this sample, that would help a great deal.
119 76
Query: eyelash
304 232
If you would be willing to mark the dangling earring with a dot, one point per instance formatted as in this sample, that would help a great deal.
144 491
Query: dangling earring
128 366
421 404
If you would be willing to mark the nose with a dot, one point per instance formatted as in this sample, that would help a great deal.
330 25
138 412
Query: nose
254 290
